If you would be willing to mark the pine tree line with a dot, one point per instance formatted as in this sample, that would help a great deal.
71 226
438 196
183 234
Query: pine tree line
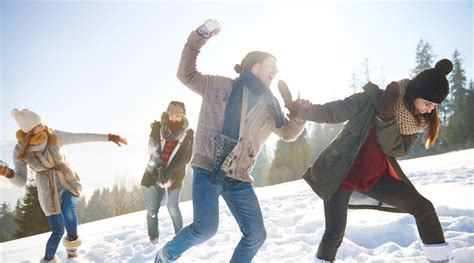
286 162
28 219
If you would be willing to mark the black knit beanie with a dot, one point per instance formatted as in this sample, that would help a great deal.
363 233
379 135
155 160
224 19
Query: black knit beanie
431 84
251 59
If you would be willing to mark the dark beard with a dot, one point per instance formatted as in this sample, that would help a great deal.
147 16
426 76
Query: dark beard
175 126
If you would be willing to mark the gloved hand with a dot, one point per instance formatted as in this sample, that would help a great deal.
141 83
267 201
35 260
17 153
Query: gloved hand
294 106
285 93
387 101
372 89
6 171
164 178
209 29
117 139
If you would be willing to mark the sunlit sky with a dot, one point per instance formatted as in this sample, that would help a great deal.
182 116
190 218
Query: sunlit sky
106 66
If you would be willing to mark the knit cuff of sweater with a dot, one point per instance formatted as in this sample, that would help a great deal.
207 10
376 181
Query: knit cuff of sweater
196 41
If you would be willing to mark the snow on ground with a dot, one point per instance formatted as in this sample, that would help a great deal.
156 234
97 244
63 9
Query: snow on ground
294 221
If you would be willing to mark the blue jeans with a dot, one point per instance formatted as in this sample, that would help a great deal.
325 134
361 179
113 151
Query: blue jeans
67 219
154 197
242 202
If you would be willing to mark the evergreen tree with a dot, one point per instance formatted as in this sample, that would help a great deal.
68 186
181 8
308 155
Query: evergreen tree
291 160
381 79
262 166
320 135
106 203
81 210
424 57
134 200
470 120
458 124
28 214
95 208
355 85
366 70
7 223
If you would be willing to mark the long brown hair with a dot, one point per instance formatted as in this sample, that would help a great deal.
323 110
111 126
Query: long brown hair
432 118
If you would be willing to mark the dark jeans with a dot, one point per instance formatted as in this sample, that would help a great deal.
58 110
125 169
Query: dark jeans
389 191
243 204
67 219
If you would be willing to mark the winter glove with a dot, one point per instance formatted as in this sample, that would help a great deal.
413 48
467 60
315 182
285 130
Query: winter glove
372 89
117 139
385 104
209 29
292 106
164 178
6 171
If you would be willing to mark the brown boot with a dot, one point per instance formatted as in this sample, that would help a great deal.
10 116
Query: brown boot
71 246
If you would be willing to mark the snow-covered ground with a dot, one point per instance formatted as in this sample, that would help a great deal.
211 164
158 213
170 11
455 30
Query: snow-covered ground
294 222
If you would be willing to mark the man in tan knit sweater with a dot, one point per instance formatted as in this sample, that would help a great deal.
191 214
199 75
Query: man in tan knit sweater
236 118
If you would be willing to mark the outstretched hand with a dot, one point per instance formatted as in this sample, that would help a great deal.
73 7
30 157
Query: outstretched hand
209 29
7 172
164 178
293 106
117 139
371 87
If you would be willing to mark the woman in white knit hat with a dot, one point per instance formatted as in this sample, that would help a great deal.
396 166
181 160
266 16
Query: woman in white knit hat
59 186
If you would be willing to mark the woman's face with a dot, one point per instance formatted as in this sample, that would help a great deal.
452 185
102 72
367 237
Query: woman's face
38 128
423 106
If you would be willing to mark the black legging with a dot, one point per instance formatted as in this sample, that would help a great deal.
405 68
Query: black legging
389 191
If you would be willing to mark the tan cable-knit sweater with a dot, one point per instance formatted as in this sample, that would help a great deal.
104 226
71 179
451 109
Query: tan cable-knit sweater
53 174
215 91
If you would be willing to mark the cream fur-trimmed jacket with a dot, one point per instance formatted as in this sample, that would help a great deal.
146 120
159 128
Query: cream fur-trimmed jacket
215 91
53 173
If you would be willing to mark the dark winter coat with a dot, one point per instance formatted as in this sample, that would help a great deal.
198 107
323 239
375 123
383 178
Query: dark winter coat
177 166
335 161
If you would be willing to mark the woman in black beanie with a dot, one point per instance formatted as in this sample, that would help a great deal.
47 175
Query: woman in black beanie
359 166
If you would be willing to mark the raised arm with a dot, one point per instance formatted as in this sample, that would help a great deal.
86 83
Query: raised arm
187 71
334 111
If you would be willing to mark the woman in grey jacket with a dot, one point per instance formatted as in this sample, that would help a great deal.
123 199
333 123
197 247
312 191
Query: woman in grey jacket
59 186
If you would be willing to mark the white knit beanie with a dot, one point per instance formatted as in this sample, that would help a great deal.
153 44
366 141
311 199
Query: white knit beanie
26 119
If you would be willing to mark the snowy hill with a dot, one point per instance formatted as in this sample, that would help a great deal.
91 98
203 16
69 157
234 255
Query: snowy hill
294 222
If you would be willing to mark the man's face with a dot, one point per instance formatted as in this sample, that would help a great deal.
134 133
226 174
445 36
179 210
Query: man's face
175 117
265 70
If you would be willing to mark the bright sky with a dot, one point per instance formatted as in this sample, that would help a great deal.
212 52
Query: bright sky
104 66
